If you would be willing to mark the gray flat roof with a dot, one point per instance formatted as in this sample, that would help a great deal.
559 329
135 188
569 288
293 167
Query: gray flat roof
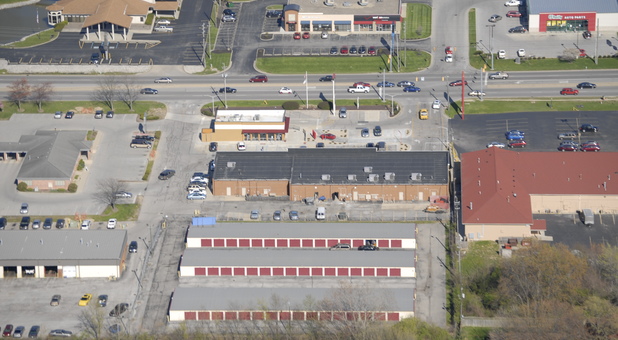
268 257
561 6
60 245
349 7
205 299
305 230
342 166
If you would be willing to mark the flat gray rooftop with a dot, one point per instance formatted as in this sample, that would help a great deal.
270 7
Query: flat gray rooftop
562 6
266 257
191 299
348 7
305 230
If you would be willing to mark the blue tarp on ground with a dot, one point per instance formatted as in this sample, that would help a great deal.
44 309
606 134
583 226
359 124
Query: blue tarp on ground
203 221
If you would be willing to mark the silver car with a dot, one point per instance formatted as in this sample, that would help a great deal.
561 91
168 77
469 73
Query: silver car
294 215
277 215
365 132
255 214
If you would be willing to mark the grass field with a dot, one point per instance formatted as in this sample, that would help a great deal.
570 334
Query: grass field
50 107
276 104
418 21
36 39
475 106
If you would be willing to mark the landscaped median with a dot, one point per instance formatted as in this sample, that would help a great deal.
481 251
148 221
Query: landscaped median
545 104
156 110
283 104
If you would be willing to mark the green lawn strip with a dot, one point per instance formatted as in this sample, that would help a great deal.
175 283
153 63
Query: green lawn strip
276 104
218 63
6 2
148 170
123 212
33 40
418 21
475 333
475 62
414 61
544 104
64 106
275 7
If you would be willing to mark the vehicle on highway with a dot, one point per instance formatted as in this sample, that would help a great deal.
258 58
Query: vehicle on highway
163 22
132 248
167 174
241 146
586 85
476 93
385 84
259 79
495 18
55 301
102 300
47 223
499 75
361 83
61 333
213 146
353 50
368 247
585 147
436 104
569 91
25 223
377 131
362 50
365 132
327 78
196 195
568 146
328 136
111 223
587 35
123 194
588 128
411 89
495 145
285 90
517 144
85 300
521 53
148 90
344 50
296 35
458 83
227 90
34 332
513 14
163 80
518 29
306 35
69 115
121 307
255 214
228 18
140 143
294 215
371 51
277 215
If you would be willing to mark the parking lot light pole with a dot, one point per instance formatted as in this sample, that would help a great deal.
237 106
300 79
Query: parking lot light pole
224 89
392 103
491 40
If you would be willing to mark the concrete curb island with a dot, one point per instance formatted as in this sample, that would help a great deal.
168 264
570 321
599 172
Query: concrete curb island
85 68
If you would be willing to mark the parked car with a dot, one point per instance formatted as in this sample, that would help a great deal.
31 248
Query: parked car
368 247
19 332
55 301
228 11
34 332
36 224
145 137
2 223
255 214
132 249
449 50
329 136
259 79
588 128
570 146
98 114
306 35
8 330
58 115
60 223
47 223
123 194
365 132
213 146
586 85
513 14
140 143
590 147
211 165
386 84
85 300
164 29
324 35
517 143
569 91
362 50
343 112
227 90
377 131
163 80
587 34
102 300
344 50
167 174
163 22
296 35
518 29
568 135
353 50
196 195
277 215
228 18
411 89
85 224
94 58
285 90
69 115
241 146
294 215
109 114
61 333
496 145
111 223
341 246
148 90
514 136
436 104
448 58
371 51
521 53
458 83
334 50
273 13
25 223
495 18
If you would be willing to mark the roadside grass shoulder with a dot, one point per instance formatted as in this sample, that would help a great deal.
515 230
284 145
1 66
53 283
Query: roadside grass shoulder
418 21
89 106
545 104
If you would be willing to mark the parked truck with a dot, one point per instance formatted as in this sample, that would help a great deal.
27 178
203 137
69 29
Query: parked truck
588 217
358 88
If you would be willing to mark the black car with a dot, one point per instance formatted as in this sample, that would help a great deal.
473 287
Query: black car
273 14
227 90
327 78
2 223
586 85
353 50
94 59
98 114
148 90
145 137
110 114
362 50
213 147
587 35
319 145
211 165
518 29
60 223
102 300
34 332
588 128
370 145
377 131
334 50
69 115
228 11
167 174
47 224
132 247
25 223
368 247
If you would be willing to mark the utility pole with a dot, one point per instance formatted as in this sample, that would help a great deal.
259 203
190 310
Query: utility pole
491 43
224 89
383 85
204 44
334 102
596 46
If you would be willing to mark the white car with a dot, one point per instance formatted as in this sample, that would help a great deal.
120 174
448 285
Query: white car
501 54
196 195
86 224
476 93
286 90
512 3
111 224
496 145
163 80
521 52
436 104
165 29
448 58
241 146
324 35
163 22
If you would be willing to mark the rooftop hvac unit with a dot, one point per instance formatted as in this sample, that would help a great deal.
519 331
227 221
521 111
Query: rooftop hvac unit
416 176
231 165
351 177
363 2
368 169
326 177
329 2
256 117
389 176
373 178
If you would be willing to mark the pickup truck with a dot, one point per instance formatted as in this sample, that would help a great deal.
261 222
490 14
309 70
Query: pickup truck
358 88
512 3
499 75
166 29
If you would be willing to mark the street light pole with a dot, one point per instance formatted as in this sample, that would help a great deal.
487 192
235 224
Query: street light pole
224 89
491 40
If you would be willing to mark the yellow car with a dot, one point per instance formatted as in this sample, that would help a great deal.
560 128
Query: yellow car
423 114
85 300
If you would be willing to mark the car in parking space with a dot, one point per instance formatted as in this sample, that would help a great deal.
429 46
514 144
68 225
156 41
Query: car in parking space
34 332
319 145
55 300
306 35
85 224
227 90
58 115
448 58
324 35
411 89
259 79
385 84
365 132
328 136
85 300
587 34
255 214
371 50
63 333
362 50
111 223
344 50
568 135
228 11
343 112
588 128
69 115
163 22
140 143
241 146
495 145
19 332
436 104
517 143
123 194
25 223
145 137
334 50
495 18
569 91
296 35
196 195
228 18
568 146
2 223
368 247
47 223
213 146
502 54
476 93
594 147
513 14
521 53
405 83
458 83
167 174
377 131
449 50
132 249
94 58
353 50
109 114
8 330
285 90
293 215
102 300
511 135
98 114
327 78
163 80
341 246
36 224
586 85
60 223
273 13
518 29
121 307
148 90
211 165
277 215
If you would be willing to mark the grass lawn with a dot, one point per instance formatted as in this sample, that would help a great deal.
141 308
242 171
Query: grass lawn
479 254
36 39
124 212
49 107
276 104
476 106
411 61
6 2
418 21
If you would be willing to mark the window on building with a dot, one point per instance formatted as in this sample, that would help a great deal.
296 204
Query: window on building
305 26
343 26
319 26
363 27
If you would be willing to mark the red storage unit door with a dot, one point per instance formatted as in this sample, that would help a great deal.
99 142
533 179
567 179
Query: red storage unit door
231 316
332 242
217 316
395 272
358 243
329 271
295 243
277 271
269 242
232 243
219 242
343 271
285 315
384 243
282 243
379 316
382 271
226 271
272 315
396 243
200 271
257 315
298 316
252 271
264 271
203 315
307 243
190 316
206 242
326 316
290 271
369 272
244 242
311 316
244 315
393 316
356 272
213 271
256 243
239 271
317 271
320 243
304 271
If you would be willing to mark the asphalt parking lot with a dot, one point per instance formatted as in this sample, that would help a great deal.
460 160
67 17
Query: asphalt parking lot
569 230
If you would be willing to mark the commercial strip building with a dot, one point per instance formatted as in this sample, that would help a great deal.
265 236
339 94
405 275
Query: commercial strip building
501 190
62 253
362 174
212 304
572 16
247 125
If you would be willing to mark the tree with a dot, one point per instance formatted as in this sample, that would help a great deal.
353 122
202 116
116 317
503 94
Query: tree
107 190
107 91
42 93
19 91
129 91
92 320
569 55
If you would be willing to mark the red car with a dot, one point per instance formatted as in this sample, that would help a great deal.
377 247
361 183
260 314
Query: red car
328 136
8 330
297 36
569 90
513 14
517 144
448 50
361 83
344 50
372 51
306 35
567 147
590 147
259 79
458 83
582 53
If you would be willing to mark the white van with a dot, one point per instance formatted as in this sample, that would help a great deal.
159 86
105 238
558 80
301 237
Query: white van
320 213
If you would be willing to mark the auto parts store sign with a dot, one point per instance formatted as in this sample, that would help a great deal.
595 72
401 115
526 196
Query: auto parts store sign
562 19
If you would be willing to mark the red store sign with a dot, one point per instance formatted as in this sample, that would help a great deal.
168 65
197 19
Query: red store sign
545 17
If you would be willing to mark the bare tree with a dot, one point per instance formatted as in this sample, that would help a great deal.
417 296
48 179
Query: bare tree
42 93
107 91
19 91
92 320
129 91
107 190
569 55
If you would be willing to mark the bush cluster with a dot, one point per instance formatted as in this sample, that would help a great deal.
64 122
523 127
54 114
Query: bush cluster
290 105
325 105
